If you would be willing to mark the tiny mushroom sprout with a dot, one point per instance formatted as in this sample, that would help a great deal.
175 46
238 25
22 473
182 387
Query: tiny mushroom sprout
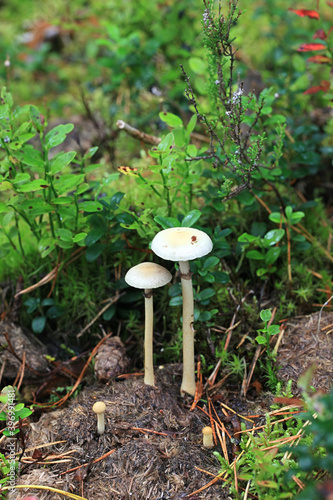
99 409
183 244
147 276
207 437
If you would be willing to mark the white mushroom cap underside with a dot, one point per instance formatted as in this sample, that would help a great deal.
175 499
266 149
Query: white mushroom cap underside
147 275
181 244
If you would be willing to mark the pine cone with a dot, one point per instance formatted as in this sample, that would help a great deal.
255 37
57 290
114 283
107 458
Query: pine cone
111 359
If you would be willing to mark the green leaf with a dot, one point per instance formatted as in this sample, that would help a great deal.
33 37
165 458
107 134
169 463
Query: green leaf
221 277
258 228
21 178
272 255
65 244
109 313
38 324
191 218
67 182
275 217
260 339
31 304
176 301
5 185
10 433
206 294
167 222
170 119
94 251
30 156
36 207
24 413
90 153
35 185
64 200
210 262
79 237
116 199
192 150
265 315
55 312
273 329
262 271
288 211
18 407
191 125
94 235
64 234
60 161
46 246
47 302
247 238
273 237
255 255
81 189
296 217
3 207
91 206
57 135
205 316
36 118
166 143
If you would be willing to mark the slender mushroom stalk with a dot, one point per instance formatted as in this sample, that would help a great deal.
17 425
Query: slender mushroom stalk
207 437
188 382
149 378
148 275
99 409
184 244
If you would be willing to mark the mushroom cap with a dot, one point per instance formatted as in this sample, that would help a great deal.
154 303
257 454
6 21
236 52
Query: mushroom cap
99 407
207 430
147 275
181 244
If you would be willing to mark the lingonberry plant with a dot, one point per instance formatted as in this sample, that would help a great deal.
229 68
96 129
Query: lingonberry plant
324 46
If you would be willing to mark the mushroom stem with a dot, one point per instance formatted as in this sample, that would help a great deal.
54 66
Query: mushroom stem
100 423
188 383
149 378
99 408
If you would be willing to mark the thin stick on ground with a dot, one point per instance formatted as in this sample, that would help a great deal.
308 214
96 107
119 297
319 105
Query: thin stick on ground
40 487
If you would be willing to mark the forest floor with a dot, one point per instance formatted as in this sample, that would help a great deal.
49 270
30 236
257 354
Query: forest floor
152 445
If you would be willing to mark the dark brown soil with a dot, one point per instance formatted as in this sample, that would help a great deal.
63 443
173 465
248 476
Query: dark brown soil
152 446
307 340
157 443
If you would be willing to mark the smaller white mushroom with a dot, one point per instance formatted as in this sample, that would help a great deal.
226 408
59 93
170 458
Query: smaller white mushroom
207 436
147 276
99 409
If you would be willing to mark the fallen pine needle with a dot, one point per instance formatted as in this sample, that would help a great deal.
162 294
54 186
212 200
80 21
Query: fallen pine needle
238 414
213 481
235 476
94 462
298 482
40 487
281 441
147 430
43 446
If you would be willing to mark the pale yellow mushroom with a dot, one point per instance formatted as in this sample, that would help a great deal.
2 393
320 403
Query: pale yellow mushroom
99 409
207 437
